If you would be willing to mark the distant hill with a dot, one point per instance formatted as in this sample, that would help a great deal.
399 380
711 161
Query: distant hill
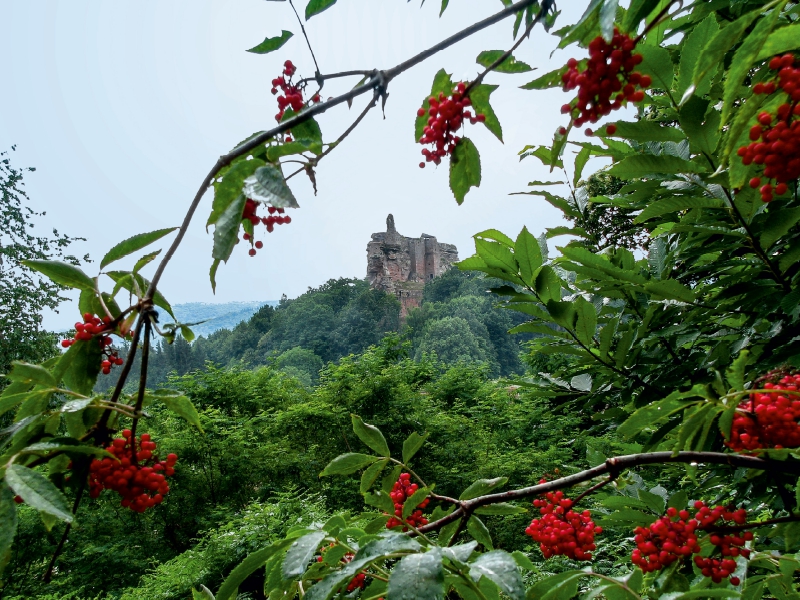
216 316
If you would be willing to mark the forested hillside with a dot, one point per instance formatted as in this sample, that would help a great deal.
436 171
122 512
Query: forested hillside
457 322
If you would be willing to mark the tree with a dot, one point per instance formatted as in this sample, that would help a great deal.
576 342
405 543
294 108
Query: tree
686 358
23 292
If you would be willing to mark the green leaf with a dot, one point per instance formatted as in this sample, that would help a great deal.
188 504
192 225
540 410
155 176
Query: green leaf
480 104
546 81
412 445
608 13
133 244
548 284
371 474
679 500
271 44
690 53
638 10
780 41
501 508
307 132
736 372
528 255
658 64
653 501
8 517
370 435
414 501
669 289
287 149
714 51
641 165
226 229
389 543
465 169
344 464
300 554
627 517
647 131
38 491
179 404
31 374
314 7
586 324
496 255
501 568
144 261
125 280
62 273
745 56
267 184
509 65
202 594
418 577
442 83
482 487
523 561
778 224
380 500
556 587
230 188
480 533
652 413
247 567
84 366
444 7
10 401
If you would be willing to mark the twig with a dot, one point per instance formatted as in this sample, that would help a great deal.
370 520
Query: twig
746 526
48 574
613 466
594 488
142 385
321 78
303 29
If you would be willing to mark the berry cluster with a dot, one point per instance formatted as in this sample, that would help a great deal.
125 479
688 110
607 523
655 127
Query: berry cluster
607 82
561 530
401 491
359 581
291 94
446 115
249 214
769 419
137 476
775 140
670 538
674 537
94 326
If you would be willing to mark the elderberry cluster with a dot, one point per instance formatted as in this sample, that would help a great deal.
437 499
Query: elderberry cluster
446 115
673 537
94 326
769 419
136 474
561 530
608 81
291 93
670 538
401 491
357 582
775 140
249 214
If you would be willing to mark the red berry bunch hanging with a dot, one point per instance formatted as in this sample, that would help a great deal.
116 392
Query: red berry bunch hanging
94 326
769 419
722 566
775 140
446 115
291 93
561 530
401 491
140 479
670 538
607 82
276 217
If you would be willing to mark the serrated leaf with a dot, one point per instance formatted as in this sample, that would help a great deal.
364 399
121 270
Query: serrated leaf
414 501
179 404
271 44
418 577
371 474
499 566
8 517
608 13
62 273
509 65
226 229
479 532
314 7
780 41
344 464
28 373
501 508
247 567
658 64
641 165
482 487
38 492
745 56
465 169
586 323
412 445
267 184
638 10
300 553
202 594
546 81
646 131
528 255
230 188
479 96
133 244
690 53
370 435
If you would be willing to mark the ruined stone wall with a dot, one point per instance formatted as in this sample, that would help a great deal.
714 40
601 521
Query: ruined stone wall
401 265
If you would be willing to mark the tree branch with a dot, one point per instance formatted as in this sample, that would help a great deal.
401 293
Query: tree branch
303 29
612 467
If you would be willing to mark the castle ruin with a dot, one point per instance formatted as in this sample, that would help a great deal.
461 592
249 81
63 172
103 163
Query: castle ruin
401 265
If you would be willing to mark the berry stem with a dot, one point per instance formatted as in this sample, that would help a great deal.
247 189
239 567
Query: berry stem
594 488
746 526
48 574
303 29
659 18
407 468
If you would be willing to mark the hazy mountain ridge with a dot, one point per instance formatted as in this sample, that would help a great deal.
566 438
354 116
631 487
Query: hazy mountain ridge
215 316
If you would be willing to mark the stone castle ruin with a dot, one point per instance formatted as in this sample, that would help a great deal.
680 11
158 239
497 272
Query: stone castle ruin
401 265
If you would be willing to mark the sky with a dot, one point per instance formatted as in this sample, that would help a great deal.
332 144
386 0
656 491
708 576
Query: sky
123 107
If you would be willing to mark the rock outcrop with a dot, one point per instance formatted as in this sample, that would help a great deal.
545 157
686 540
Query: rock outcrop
401 265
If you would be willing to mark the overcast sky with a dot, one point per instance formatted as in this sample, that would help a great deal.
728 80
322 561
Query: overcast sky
123 106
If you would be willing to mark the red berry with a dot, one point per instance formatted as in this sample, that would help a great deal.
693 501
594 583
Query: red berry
259 244
755 182
252 252
611 129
